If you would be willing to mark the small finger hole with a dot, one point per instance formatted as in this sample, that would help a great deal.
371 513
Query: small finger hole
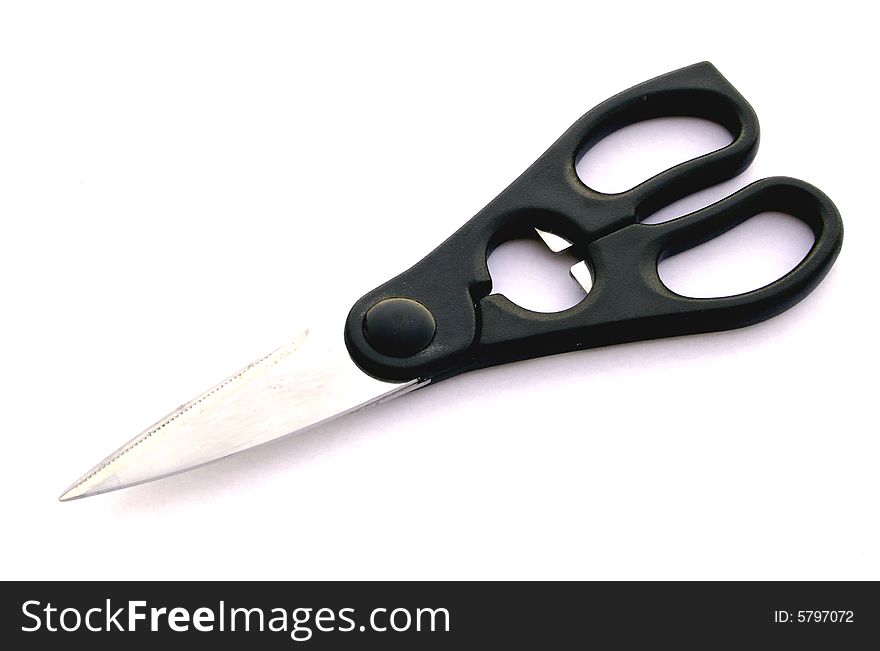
754 254
635 153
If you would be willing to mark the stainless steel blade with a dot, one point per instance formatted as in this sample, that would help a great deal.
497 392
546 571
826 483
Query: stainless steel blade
553 241
580 271
582 275
305 383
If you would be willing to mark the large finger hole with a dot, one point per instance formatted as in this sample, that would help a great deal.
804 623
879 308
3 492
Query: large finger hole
754 254
635 153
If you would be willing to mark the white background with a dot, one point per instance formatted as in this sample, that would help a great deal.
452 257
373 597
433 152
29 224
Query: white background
184 185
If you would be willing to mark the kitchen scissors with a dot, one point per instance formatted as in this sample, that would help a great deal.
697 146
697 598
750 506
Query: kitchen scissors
439 318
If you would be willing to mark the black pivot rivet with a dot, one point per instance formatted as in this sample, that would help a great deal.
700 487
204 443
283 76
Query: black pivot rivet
399 327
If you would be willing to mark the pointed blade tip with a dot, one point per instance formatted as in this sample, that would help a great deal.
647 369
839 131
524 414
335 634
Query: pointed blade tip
75 492
68 495
85 486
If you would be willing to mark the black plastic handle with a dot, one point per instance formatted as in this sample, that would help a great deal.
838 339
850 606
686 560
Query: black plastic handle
696 91
449 322
629 302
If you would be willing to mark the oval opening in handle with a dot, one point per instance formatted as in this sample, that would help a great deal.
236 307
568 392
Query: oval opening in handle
759 251
533 277
635 153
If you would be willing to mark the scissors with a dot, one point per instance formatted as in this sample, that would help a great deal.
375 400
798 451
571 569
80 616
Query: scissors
439 318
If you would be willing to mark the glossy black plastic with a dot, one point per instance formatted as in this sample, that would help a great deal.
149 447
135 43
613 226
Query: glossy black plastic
627 301
399 327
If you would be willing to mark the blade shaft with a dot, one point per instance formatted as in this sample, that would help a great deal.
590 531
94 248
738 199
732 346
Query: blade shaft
305 383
